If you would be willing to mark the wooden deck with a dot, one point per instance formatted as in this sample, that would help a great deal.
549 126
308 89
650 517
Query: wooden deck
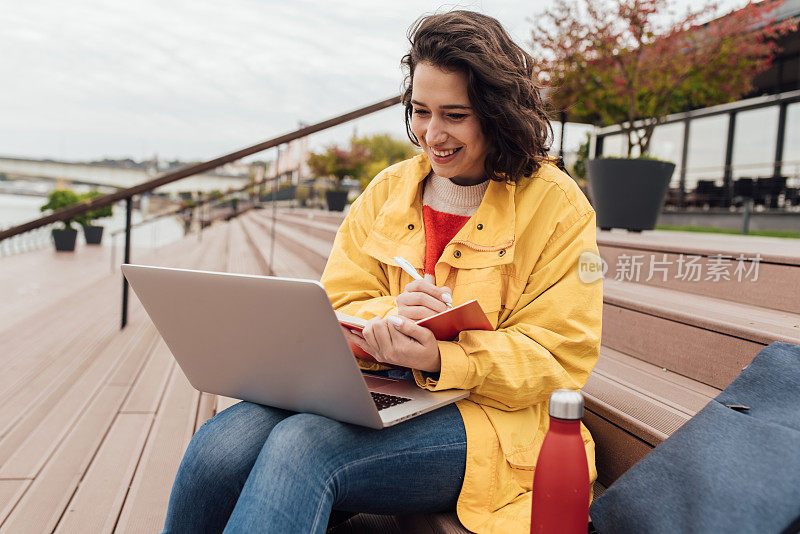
94 420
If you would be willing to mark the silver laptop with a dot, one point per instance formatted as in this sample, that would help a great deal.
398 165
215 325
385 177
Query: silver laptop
273 341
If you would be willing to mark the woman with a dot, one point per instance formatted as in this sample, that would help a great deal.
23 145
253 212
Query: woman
485 214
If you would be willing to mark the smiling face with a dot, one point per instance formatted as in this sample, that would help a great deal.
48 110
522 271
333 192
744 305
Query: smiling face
446 126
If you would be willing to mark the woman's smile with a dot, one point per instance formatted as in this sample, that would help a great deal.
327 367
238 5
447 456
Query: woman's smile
444 156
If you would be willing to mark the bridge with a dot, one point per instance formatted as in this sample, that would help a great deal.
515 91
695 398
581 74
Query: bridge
108 175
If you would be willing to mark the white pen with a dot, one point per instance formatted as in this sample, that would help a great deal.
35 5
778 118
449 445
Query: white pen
407 267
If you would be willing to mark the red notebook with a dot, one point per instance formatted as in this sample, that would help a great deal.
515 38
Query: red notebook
445 326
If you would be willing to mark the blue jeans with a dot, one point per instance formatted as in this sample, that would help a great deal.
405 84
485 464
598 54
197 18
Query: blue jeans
254 468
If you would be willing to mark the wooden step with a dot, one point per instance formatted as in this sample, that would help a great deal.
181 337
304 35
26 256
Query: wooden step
314 227
286 263
637 399
771 249
61 436
96 504
144 509
757 271
175 418
32 281
243 253
310 250
41 506
321 243
707 339
325 216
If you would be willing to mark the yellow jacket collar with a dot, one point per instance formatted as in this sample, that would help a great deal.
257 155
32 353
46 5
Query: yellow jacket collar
492 244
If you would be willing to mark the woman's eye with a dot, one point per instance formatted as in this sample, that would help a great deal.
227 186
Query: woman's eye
457 116
420 112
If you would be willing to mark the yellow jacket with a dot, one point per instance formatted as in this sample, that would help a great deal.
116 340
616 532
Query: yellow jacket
518 256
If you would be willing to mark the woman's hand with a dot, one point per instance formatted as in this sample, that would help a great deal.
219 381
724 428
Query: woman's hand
422 299
399 341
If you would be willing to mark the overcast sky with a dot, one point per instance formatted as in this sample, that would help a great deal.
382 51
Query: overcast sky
195 79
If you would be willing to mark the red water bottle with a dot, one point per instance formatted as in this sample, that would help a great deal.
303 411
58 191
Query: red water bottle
561 479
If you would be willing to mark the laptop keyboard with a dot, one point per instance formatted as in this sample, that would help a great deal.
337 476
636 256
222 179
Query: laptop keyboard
383 401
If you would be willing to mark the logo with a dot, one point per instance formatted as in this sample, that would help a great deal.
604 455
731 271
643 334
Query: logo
591 267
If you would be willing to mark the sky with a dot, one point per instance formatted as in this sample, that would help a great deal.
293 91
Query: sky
192 80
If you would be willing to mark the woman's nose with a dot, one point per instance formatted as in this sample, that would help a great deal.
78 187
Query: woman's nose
435 134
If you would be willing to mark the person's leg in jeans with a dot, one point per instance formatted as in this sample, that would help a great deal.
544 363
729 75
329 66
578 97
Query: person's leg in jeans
215 467
311 464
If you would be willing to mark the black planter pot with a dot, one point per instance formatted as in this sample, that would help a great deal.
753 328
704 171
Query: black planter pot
64 239
336 200
93 234
628 193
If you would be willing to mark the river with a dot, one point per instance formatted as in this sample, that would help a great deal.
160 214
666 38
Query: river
16 209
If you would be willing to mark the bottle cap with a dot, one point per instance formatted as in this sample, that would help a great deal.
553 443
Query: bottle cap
566 404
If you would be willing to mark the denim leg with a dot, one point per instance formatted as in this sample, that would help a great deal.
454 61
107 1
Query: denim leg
215 467
311 464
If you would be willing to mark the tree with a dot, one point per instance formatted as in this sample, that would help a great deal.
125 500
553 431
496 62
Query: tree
614 63
339 162
383 150
362 160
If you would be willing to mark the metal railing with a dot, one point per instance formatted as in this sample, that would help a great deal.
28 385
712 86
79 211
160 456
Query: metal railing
33 240
179 174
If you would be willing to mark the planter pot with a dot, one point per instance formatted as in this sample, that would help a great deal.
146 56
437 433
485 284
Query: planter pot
93 234
628 193
336 200
64 239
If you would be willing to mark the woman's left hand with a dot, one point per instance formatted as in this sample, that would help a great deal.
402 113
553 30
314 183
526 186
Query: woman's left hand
406 344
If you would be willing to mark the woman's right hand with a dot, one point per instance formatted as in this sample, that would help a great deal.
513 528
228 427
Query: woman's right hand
421 299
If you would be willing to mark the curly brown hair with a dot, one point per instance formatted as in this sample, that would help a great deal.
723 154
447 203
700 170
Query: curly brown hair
500 86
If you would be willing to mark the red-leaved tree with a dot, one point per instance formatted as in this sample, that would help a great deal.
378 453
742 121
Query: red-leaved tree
339 162
619 61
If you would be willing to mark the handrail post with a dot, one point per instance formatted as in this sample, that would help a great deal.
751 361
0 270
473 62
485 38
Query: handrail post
275 181
748 209
128 211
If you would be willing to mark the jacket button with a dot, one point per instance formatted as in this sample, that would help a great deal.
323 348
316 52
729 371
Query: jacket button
480 227
410 226
457 253
502 253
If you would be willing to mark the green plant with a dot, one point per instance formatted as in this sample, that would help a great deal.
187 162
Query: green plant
59 199
579 167
85 219
619 62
